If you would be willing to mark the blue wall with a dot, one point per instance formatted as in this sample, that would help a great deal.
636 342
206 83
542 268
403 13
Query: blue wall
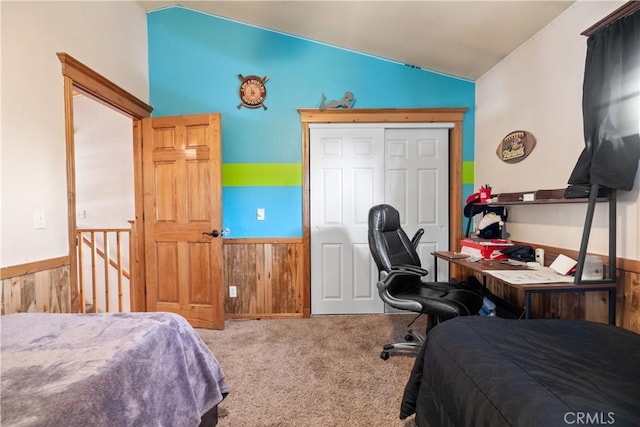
194 62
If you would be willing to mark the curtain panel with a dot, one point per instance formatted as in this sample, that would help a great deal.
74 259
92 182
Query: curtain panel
611 107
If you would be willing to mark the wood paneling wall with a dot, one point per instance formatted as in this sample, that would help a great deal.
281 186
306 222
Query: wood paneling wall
42 286
268 275
590 306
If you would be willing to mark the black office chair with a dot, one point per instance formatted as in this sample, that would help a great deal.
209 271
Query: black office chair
401 281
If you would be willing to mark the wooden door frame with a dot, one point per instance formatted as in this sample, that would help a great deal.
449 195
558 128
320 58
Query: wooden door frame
80 78
385 115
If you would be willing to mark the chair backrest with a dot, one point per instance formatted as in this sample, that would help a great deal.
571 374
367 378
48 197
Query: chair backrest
388 243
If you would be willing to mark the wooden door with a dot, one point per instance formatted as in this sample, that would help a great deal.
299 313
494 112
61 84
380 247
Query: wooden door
183 217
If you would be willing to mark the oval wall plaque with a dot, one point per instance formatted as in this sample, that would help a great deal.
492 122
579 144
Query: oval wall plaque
516 146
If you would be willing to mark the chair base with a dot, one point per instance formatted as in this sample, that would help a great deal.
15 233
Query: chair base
406 347
413 340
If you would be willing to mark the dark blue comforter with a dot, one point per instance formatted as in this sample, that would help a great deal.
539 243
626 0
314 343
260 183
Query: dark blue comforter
484 371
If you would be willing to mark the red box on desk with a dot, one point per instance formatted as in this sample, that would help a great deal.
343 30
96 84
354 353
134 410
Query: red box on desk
485 248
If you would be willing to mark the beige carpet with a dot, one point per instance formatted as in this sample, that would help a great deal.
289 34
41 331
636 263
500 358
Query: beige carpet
323 371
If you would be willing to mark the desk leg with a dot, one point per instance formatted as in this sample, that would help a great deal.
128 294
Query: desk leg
527 304
435 268
612 306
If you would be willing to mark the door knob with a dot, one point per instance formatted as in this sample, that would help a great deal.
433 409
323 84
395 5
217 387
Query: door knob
213 233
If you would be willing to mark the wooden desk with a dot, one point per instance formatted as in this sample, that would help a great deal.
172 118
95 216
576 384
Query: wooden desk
528 288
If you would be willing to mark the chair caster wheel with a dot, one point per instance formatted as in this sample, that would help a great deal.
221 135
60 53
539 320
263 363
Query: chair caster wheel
384 355
408 337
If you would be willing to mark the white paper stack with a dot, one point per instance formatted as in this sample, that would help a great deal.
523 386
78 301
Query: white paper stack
563 264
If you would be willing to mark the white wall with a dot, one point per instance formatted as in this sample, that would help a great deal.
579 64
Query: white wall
103 141
538 88
109 37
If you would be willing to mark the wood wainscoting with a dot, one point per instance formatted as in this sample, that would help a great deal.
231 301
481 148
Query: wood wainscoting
41 286
588 305
268 276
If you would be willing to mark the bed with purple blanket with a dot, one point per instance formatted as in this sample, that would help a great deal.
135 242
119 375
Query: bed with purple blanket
487 371
126 369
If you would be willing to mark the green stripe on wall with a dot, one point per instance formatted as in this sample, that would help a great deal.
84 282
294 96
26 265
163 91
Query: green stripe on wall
261 174
467 172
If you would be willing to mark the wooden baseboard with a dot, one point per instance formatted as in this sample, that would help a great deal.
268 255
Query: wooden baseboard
33 267
258 316
262 240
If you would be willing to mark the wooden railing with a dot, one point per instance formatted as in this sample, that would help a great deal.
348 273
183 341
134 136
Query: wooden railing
109 268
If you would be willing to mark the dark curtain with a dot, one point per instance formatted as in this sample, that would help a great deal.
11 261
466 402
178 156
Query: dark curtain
610 107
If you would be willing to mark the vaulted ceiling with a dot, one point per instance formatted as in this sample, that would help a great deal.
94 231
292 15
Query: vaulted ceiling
458 38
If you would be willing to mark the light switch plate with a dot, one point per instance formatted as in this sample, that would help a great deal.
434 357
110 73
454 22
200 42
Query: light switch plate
260 214
39 219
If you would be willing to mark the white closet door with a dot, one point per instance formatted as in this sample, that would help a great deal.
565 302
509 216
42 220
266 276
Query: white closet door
346 179
417 184
353 168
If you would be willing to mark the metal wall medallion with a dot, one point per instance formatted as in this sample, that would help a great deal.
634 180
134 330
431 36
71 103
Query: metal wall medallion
516 146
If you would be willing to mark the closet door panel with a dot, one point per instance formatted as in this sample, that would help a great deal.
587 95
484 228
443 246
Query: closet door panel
417 184
346 179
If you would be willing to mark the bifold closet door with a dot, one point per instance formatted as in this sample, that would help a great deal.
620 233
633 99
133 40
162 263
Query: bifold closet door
346 179
352 168
417 184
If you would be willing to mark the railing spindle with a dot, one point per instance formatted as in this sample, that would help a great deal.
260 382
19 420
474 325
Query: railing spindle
94 271
80 245
107 284
133 267
119 258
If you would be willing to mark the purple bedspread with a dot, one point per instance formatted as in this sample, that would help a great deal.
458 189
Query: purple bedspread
126 369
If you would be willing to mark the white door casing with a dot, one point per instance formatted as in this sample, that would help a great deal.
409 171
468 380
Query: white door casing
353 167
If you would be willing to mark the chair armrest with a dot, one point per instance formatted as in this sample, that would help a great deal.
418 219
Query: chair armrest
416 238
388 278
408 268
